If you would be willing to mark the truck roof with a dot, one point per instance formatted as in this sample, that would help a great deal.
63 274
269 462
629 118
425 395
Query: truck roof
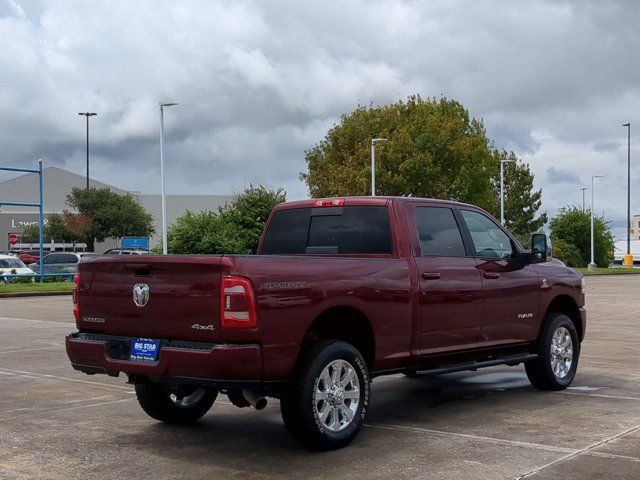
381 201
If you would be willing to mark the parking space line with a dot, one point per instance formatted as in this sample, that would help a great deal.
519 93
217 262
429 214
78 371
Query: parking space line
27 349
538 446
601 395
30 472
614 456
586 450
56 410
16 319
56 377
75 402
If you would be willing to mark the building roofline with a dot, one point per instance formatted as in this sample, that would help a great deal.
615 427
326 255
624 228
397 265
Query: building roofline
53 167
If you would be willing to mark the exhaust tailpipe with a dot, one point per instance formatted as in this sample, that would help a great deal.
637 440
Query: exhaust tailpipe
255 400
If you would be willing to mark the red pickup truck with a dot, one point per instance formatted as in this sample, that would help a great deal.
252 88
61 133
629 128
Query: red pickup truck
342 290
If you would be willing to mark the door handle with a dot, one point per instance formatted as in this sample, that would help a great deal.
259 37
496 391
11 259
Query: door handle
431 275
491 275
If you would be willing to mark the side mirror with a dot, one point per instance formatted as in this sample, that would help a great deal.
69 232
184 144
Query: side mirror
539 247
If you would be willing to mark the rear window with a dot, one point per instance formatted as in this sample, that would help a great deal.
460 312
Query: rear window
345 230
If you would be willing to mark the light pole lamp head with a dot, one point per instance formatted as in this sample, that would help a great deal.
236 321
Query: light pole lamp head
376 140
167 104
597 176
88 114
626 124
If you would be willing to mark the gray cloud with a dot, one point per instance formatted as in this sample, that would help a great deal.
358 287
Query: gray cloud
260 82
605 146
557 175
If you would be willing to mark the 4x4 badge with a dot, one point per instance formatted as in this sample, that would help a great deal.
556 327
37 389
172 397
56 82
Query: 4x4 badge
140 294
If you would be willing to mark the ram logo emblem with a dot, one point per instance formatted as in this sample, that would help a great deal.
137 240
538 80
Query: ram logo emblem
140 294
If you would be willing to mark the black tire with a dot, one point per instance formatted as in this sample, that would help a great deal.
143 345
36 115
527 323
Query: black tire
300 405
540 371
182 405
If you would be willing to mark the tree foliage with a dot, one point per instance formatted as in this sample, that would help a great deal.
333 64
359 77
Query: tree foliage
67 227
30 234
107 214
56 230
433 149
234 228
571 237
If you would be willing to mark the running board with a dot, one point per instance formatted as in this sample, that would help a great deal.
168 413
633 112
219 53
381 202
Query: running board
459 367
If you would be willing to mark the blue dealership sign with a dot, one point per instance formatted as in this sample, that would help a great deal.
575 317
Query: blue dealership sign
135 243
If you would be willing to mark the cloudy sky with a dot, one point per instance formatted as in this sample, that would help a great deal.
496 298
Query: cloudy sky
260 81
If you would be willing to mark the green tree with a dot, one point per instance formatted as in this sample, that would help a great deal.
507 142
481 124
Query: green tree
30 234
57 230
568 253
434 149
249 212
66 227
202 233
572 228
234 228
112 215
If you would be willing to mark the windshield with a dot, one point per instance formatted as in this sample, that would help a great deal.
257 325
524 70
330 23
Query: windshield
11 263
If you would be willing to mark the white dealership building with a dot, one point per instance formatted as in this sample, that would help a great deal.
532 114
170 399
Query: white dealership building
57 184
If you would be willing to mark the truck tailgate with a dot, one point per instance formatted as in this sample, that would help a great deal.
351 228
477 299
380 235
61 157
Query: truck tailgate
183 296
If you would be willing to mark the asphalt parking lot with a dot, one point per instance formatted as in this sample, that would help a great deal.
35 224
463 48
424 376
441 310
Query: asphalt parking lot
56 423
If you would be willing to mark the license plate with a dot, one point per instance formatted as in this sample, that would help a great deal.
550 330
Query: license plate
144 350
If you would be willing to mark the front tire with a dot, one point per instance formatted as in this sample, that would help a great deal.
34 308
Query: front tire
327 401
177 405
558 352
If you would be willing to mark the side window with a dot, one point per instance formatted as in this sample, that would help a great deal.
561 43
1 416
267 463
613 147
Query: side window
68 258
438 232
488 238
51 260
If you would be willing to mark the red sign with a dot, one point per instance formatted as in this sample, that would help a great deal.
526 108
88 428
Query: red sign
13 238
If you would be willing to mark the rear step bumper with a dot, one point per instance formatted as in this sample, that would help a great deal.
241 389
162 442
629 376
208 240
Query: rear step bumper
97 353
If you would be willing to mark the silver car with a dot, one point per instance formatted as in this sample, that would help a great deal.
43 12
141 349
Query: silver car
65 263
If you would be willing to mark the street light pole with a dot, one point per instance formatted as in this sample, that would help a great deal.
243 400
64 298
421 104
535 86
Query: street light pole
583 203
88 114
502 162
373 163
592 266
628 258
162 194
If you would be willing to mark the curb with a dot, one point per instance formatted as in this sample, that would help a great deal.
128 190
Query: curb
32 294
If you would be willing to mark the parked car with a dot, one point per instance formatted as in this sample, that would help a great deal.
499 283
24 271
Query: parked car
341 291
8 253
29 257
60 262
11 265
124 251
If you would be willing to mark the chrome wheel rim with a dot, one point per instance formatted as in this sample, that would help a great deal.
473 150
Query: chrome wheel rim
561 352
187 401
336 396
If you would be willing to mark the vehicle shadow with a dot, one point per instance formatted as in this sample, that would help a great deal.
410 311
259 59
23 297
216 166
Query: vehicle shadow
247 441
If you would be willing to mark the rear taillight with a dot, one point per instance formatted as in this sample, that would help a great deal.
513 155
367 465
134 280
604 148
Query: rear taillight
237 303
76 296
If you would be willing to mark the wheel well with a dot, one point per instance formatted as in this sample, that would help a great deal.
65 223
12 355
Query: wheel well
347 324
566 305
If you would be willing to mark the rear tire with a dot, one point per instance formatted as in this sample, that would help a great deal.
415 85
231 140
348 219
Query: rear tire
558 351
181 405
326 403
